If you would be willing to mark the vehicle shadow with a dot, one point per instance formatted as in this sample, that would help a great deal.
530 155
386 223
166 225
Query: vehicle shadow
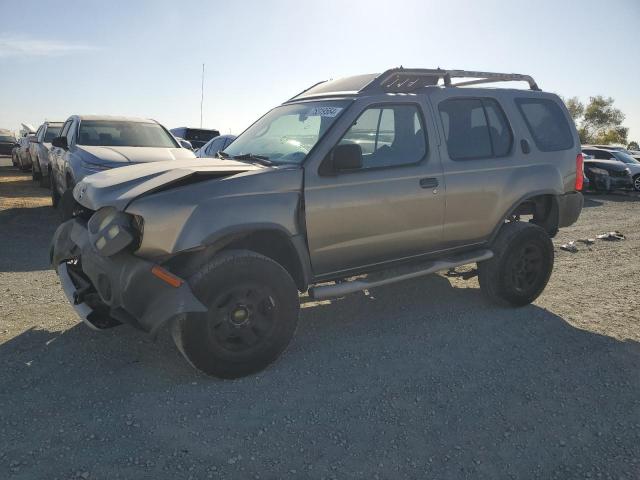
416 380
596 199
25 236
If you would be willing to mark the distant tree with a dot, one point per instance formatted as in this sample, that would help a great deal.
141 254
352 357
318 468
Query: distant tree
575 107
633 146
599 121
602 122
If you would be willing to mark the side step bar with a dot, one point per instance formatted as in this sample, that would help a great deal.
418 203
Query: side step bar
339 289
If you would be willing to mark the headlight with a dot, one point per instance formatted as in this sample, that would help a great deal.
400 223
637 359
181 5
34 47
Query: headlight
599 171
96 167
110 231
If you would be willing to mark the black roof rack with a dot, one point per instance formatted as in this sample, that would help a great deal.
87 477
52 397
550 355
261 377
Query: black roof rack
411 79
406 80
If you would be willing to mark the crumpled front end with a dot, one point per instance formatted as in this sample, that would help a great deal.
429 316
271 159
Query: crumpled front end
107 284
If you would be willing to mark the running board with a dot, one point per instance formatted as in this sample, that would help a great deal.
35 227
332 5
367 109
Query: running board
339 289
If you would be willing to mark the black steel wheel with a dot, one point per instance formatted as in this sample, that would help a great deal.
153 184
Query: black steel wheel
252 315
241 316
525 267
521 266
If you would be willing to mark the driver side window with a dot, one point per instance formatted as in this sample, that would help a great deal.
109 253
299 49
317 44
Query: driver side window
389 136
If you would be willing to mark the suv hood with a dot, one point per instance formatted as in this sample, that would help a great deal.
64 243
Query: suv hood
119 186
135 154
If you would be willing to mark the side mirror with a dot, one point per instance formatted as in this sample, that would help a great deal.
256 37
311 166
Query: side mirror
60 142
33 139
342 158
185 144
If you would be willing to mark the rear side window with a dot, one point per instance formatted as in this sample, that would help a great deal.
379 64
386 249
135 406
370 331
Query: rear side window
475 128
547 124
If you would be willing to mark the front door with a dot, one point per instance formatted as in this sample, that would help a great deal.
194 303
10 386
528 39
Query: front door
390 209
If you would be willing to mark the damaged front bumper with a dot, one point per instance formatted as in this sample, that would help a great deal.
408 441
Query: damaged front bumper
122 285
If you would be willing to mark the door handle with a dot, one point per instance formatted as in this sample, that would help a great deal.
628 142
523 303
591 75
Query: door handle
430 182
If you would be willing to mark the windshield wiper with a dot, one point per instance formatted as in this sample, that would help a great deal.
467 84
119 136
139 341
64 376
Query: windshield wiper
261 159
221 154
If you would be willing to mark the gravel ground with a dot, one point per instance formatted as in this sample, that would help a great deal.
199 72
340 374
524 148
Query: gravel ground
421 379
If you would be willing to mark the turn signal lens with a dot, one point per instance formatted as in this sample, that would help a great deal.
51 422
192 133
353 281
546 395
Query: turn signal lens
166 276
579 172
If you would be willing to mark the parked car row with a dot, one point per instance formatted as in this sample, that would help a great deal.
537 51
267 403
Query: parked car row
60 154
609 168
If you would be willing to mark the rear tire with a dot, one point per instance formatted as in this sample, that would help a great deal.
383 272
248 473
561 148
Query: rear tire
55 196
67 204
252 315
521 266
45 181
35 174
22 166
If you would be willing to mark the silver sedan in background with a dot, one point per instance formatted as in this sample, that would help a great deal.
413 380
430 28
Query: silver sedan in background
215 145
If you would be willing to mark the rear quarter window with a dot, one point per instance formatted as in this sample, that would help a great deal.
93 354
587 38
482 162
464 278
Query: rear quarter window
475 128
547 124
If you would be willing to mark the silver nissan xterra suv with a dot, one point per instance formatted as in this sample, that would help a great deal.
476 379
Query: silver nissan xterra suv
403 173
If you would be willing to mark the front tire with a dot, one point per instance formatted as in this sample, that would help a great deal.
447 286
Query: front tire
636 183
252 315
521 266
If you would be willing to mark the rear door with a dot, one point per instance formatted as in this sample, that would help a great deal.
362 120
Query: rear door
390 209
478 156
500 147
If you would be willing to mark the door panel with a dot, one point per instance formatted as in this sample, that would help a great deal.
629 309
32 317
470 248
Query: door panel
377 214
479 157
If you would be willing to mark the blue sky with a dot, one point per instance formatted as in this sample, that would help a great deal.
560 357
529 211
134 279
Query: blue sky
144 58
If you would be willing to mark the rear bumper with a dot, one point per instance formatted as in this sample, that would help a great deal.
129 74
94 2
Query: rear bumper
569 208
621 182
122 284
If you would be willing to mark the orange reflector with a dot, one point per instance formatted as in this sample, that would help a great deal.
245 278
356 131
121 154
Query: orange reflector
166 276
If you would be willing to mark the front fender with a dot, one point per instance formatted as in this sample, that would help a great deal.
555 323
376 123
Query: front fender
195 215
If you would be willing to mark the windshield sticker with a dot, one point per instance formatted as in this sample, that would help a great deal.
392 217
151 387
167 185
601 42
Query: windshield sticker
324 111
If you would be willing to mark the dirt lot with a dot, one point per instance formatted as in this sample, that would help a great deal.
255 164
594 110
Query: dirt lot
418 380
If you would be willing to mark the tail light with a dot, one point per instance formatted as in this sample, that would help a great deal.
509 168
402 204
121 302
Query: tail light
579 171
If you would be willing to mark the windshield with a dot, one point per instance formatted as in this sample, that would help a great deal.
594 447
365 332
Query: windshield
116 133
287 133
52 132
624 157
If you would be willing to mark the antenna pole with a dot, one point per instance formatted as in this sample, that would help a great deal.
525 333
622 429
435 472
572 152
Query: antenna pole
201 95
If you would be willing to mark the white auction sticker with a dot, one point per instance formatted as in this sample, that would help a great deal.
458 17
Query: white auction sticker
324 111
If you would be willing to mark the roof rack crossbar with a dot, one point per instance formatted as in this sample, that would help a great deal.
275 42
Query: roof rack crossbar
407 79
